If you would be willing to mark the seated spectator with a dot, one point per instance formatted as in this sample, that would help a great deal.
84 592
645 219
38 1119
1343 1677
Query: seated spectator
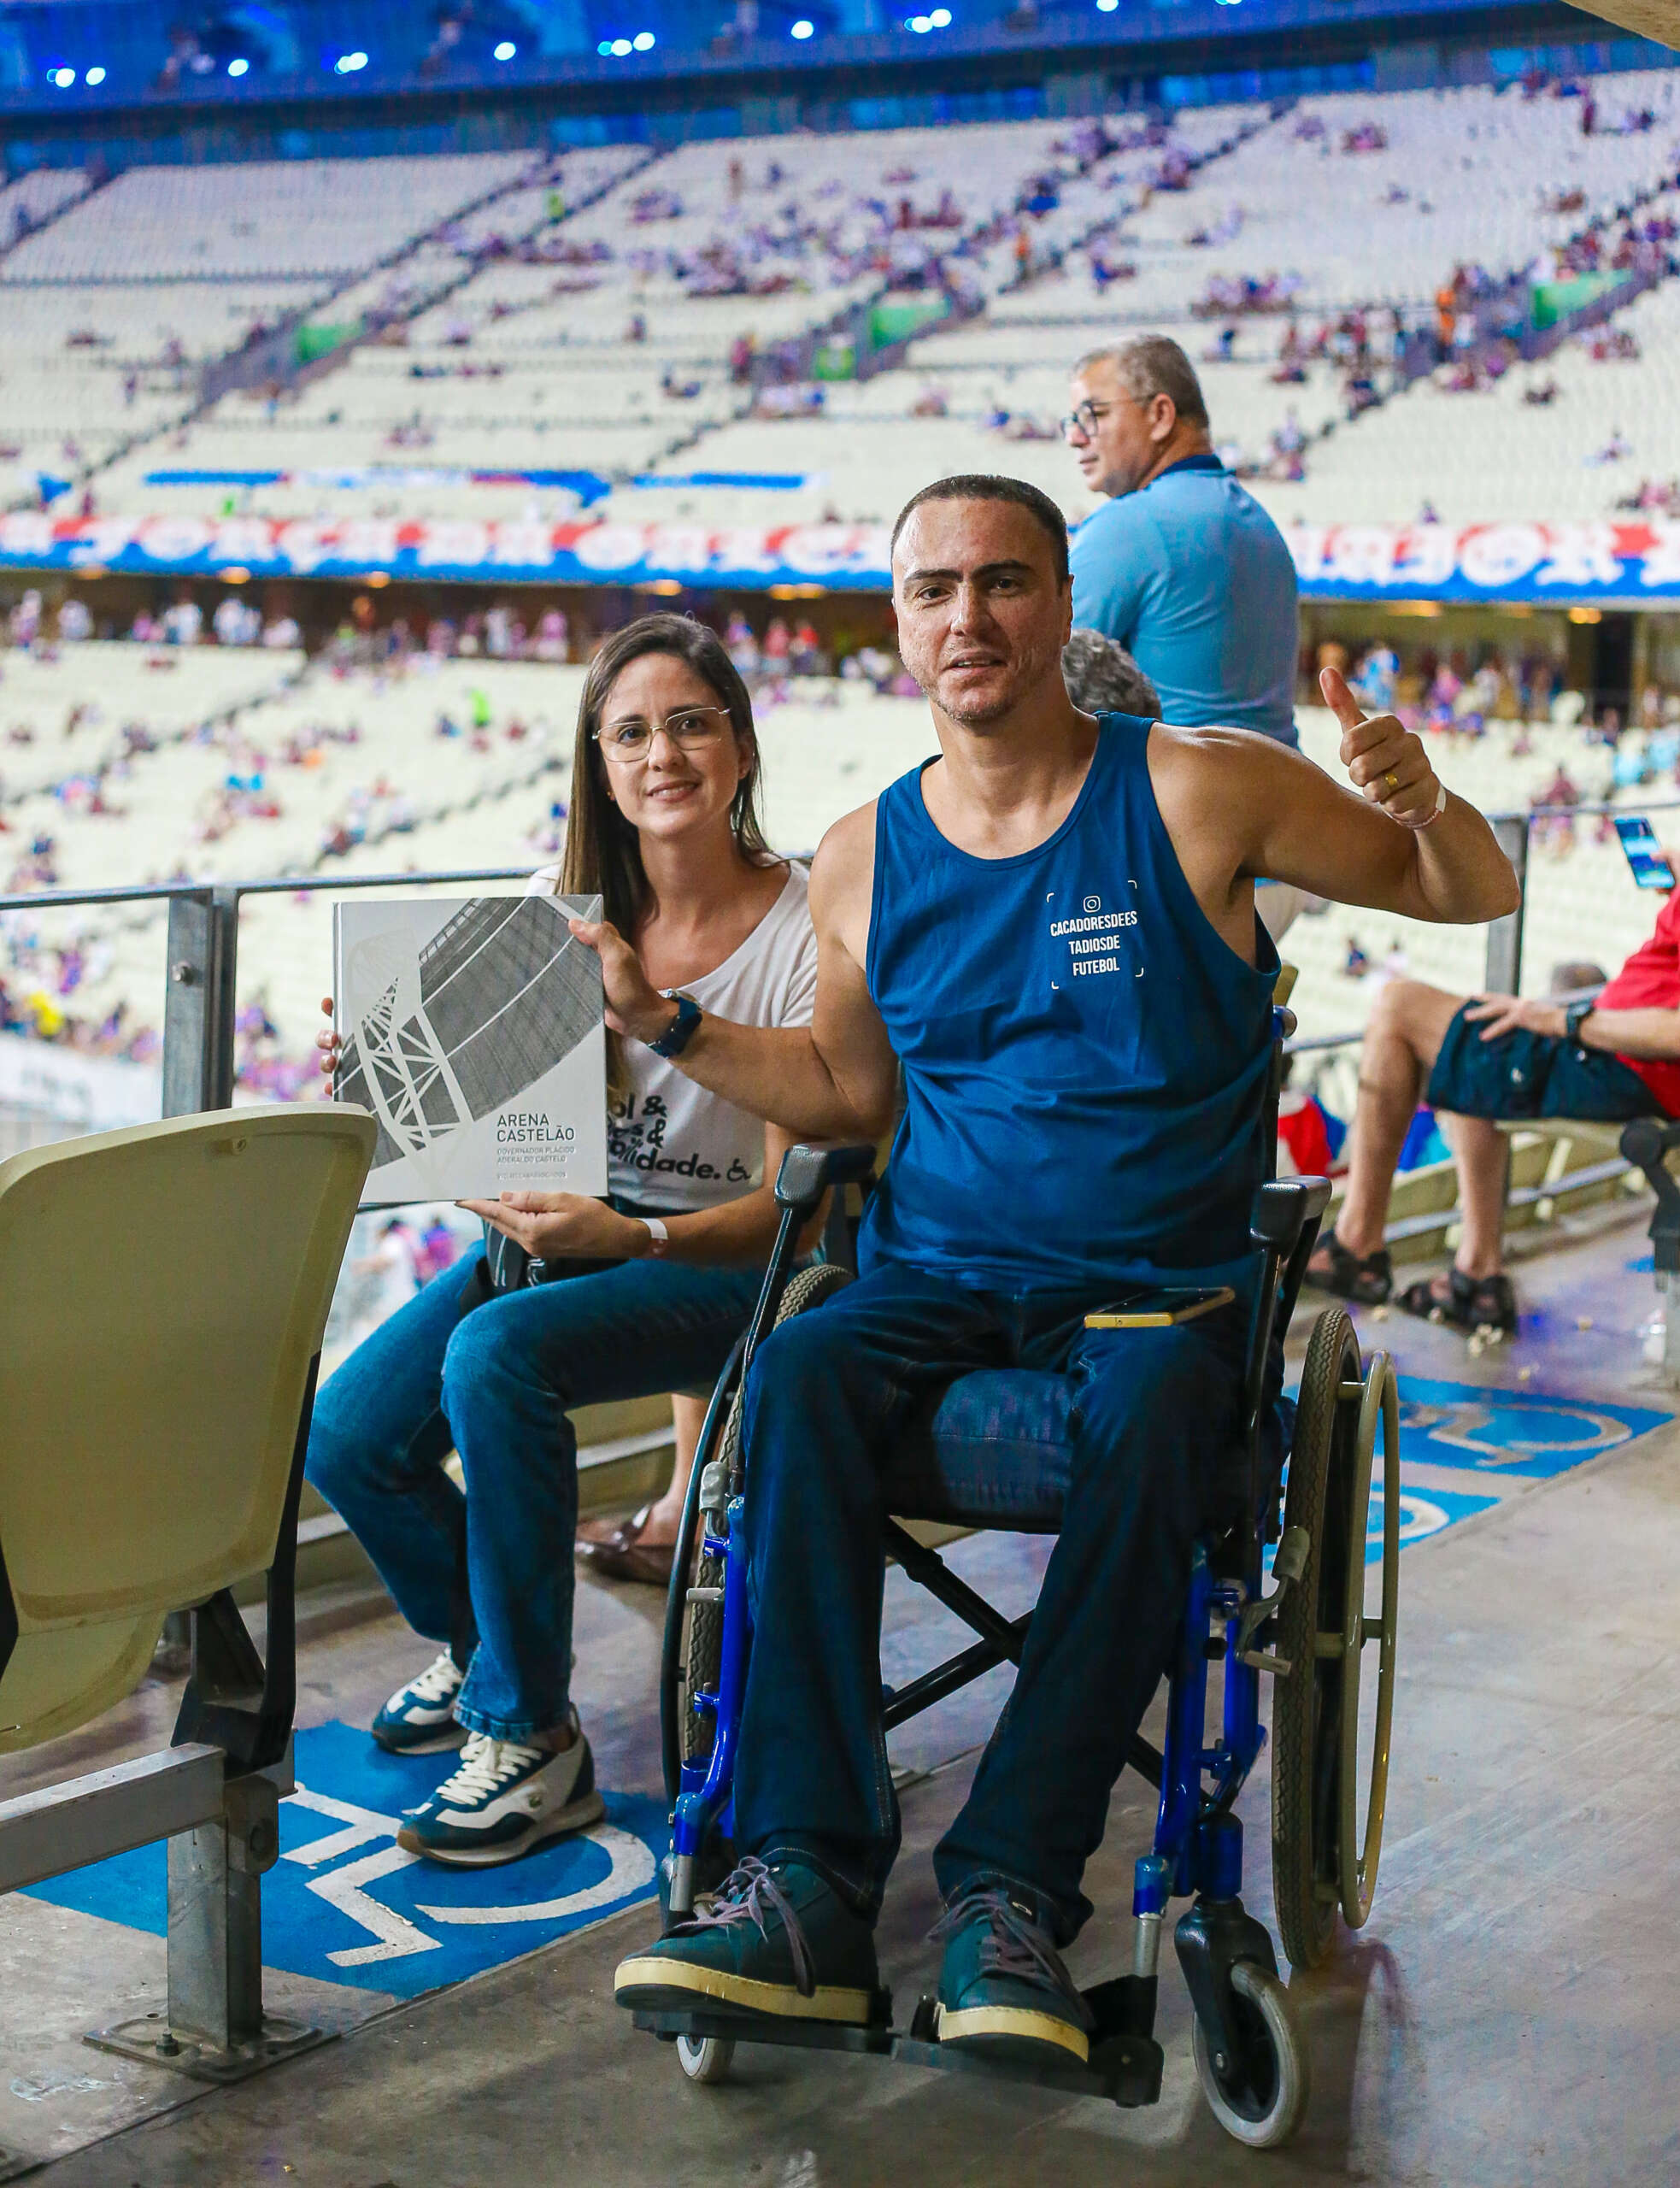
573 1300
1479 1061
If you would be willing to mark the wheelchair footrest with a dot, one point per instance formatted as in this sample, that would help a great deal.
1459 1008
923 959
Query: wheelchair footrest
1125 2068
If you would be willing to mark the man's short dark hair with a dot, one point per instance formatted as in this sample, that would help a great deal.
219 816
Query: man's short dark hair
981 486
1102 678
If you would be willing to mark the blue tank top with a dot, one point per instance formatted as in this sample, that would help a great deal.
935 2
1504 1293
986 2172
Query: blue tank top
1085 1058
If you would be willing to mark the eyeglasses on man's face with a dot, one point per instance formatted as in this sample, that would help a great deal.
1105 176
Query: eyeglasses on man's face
1084 420
691 727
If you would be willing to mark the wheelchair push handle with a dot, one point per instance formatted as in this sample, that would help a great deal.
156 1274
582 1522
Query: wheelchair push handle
807 1173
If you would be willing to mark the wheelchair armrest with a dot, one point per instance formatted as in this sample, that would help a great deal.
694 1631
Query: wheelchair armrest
807 1172
1282 1209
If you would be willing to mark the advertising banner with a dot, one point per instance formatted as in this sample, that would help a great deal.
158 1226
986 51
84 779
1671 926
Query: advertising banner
1628 559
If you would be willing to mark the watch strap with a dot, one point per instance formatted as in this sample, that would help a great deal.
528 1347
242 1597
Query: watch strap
680 1032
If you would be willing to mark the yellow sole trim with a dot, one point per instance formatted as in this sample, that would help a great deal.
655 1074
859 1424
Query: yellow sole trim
780 1999
1012 2021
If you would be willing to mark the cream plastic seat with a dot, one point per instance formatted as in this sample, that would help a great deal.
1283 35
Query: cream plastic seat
165 1289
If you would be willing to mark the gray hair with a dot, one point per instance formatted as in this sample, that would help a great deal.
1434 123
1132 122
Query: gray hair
1102 678
1149 365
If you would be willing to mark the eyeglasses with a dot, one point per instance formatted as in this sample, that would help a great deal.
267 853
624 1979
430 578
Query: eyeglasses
1084 420
691 727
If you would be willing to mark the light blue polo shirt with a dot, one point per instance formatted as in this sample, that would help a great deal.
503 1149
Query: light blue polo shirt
1194 578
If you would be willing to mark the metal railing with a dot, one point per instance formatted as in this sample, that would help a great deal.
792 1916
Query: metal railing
202 961
202 952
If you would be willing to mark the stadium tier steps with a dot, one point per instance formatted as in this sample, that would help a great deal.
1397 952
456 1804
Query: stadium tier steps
36 197
1574 435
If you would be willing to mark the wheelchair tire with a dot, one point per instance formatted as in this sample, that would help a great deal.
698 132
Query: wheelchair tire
1262 2106
705 2059
702 1647
1306 1702
1360 1846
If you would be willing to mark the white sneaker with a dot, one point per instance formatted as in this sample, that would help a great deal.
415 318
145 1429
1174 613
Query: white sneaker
420 1718
505 1798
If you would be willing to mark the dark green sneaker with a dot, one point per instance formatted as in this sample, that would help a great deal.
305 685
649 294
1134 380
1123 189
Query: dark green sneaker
1003 1988
776 1938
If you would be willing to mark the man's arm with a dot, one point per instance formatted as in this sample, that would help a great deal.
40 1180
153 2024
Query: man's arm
1651 1035
835 1079
1290 821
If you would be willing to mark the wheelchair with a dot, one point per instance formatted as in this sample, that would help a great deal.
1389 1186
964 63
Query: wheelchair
1308 1632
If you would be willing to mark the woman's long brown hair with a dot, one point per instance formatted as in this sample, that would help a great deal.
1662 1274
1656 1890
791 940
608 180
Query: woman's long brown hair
603 852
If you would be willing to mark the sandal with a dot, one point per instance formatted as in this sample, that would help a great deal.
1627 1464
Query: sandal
1366 1279
1468 1302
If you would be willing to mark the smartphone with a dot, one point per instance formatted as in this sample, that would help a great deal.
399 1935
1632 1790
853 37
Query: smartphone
1645 855
1158 1309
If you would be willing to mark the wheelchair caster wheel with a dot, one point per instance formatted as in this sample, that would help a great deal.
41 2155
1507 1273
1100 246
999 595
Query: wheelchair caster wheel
705 2059
1259 2099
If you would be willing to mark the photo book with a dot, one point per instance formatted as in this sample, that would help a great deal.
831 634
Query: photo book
473 1030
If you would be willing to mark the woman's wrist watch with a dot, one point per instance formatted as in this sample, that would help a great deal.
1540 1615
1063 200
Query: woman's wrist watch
680 1032
658 1237
1574 1019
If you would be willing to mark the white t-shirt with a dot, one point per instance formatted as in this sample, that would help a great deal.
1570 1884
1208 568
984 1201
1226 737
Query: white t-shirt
673 1148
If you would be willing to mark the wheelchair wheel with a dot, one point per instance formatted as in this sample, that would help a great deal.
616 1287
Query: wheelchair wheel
1261 2099
705 2059
1306 1708
1359 1848
703 1646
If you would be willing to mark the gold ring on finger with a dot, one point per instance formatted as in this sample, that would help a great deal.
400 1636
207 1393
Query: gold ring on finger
1392 779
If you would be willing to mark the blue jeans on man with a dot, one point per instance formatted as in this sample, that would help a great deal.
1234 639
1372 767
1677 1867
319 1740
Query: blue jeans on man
497 1385
839 1406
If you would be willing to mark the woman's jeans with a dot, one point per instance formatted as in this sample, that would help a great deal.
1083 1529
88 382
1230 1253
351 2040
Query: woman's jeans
496 1385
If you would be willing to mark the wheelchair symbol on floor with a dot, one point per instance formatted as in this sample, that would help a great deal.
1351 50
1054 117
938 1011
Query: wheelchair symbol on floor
1498 1433
396 1936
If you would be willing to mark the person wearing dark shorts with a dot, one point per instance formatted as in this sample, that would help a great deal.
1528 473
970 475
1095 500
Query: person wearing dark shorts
1480 1061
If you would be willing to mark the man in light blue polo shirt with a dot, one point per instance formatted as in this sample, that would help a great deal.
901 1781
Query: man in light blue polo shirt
1182 565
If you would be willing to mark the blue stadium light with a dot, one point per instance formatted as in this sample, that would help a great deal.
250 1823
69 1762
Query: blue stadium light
604 48
1107 7
506 50
941 18
63 77
920 24
619 47
95 74
239 66
802 29
348 63
643 41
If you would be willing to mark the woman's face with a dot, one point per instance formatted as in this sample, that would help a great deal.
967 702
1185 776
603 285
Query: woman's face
673 790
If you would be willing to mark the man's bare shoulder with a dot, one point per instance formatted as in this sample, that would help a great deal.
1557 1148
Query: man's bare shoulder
844 865
1235 761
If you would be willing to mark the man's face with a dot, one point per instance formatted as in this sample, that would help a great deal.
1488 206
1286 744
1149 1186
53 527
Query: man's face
1116 439
982 613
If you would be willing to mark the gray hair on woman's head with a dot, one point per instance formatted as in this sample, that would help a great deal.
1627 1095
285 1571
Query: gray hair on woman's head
1102 678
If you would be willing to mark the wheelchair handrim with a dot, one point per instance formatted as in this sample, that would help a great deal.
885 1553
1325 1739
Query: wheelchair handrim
1359 1852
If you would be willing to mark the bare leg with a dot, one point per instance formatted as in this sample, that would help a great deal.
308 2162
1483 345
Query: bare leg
1403 1039
1479 1149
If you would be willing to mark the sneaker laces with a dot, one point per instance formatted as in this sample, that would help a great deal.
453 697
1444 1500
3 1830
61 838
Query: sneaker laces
1016 1947
487 1766
750 1893
439 1682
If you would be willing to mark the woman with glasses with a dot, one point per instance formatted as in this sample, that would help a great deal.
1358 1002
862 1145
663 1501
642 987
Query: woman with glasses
642 1293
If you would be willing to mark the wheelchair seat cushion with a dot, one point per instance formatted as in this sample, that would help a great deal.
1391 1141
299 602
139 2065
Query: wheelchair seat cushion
998 1450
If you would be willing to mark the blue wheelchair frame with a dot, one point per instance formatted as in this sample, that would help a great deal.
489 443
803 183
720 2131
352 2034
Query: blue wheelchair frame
1197 1849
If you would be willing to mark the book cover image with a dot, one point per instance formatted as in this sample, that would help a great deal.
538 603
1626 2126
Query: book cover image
473 1030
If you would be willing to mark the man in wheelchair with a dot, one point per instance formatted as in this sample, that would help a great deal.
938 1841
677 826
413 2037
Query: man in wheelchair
1050 927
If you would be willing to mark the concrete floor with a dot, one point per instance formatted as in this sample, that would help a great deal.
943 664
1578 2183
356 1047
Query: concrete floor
1507 2018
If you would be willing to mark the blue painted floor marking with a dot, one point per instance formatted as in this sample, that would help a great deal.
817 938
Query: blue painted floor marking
1467 1425
344 1903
